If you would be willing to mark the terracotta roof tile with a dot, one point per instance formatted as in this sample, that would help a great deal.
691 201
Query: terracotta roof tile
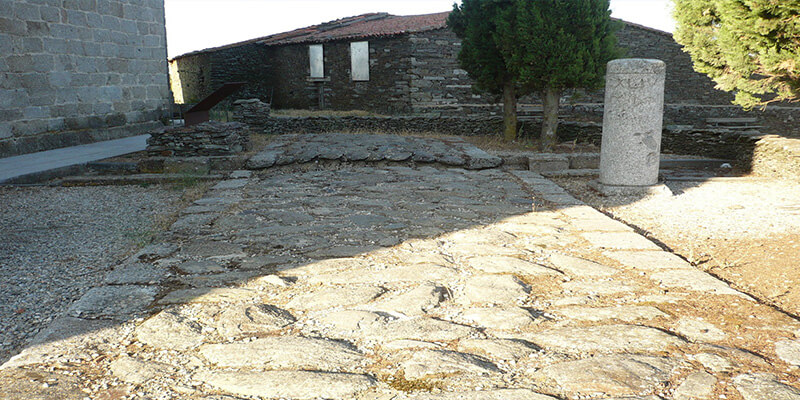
362 26
358 27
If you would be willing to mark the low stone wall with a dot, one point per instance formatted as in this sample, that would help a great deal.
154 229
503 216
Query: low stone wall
717 143
765 155
206 139
778 120
251 112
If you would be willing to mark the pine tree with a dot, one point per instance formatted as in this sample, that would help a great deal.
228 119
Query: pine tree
750 47
518 47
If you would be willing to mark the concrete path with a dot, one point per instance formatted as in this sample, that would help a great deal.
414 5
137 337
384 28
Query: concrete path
392 282
27 164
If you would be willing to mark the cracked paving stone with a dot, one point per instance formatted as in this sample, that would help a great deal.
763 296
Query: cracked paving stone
136 371
419 364
201 267
509 265
331 297
418 301
462 249
499 318
285 352
699 330
268 281
714 362
366 325
695 280
136 274
503 349
606 286
251 320
788 351
494 394
296 385
218 280
113 302
699 385
622 313
605 339
403 344
411 273
619 240
609 375
648 260
353 323
425 329
763 386
496 289
326 266
579 267
171 331
212 249
208 295
342 251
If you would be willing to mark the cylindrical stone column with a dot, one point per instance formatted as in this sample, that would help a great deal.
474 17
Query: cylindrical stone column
632 122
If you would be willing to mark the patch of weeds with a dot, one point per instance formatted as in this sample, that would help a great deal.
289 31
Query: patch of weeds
147 233
187 179
140 236
399 382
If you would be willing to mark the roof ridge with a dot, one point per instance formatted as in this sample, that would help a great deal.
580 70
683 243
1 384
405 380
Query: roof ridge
341 22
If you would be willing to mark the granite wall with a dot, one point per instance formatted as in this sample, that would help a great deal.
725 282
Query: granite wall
79 71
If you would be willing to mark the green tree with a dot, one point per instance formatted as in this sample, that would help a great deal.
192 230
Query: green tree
750 47
518 47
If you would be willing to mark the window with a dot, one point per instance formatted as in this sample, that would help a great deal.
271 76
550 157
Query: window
359 61
316 61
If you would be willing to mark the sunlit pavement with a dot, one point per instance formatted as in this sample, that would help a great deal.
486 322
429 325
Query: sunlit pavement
401 280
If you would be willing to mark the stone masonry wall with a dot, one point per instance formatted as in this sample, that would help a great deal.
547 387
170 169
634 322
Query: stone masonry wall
386 91
190 78
419 74
78 71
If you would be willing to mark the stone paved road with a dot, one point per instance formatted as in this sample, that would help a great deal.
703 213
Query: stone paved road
400 282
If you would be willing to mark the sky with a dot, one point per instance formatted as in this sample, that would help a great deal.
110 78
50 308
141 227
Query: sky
200 24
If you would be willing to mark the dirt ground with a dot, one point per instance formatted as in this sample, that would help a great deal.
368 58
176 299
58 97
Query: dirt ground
745 230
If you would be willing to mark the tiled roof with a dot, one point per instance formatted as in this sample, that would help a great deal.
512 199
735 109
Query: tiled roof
358 27
362 26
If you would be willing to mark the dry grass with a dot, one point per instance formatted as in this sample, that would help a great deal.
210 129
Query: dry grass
323 113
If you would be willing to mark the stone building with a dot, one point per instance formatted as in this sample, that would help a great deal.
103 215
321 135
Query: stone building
79 71
411 67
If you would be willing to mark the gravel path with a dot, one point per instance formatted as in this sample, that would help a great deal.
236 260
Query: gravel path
56 243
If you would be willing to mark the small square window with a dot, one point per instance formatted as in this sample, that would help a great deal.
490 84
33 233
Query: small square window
316 60
359 61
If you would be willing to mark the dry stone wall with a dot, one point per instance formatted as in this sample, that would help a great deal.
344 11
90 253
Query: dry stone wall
716 143
207 139
74 72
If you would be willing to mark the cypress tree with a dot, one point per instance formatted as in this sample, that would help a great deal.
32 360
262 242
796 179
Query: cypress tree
749 47
518 47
